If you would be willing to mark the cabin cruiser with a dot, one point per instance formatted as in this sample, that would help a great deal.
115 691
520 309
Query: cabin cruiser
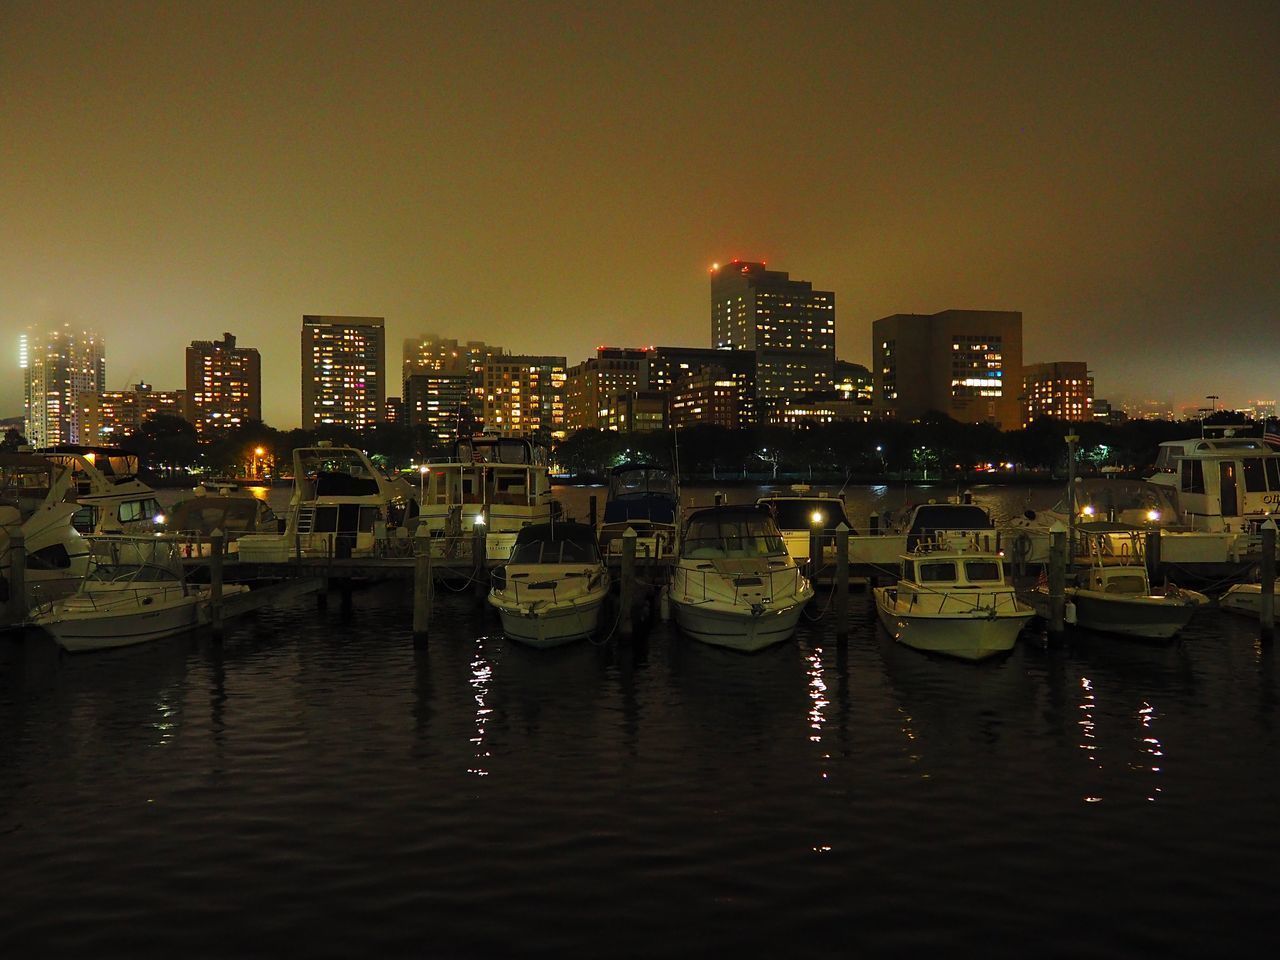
953 599
1113 593
342 505
734 584
936 523
36 503
644 498
134 591
798 515
1224 481
111 498
500 483
1246 599
224 506
553 585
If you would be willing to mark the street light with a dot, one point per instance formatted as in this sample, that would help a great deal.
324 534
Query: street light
257 462
422 483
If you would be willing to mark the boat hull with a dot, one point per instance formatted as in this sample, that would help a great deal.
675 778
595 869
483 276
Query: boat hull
1144 617
548 624
967 635
79 626
1245 599
736 626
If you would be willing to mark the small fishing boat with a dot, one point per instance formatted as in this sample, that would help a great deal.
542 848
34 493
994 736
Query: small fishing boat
553 585
134 591
1113 593
953 599
1245 599
734 584
224 506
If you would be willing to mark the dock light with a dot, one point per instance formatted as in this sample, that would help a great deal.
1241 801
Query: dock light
1153 515
158 519
816 518
1087 510
479 519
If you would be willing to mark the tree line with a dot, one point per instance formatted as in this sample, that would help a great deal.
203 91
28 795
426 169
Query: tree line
934 447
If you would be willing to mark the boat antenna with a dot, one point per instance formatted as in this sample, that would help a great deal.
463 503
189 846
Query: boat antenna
675 451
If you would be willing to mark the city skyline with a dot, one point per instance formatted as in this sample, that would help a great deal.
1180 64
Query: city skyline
553 177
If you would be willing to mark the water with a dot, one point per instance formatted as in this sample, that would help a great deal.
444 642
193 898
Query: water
316 786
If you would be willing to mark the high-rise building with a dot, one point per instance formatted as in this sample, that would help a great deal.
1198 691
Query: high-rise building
107 417
966 364
443 403
524 396
790 326
1062 391
433 354
58 364
667 365
712 394
224 386
592 386
636 411
344 363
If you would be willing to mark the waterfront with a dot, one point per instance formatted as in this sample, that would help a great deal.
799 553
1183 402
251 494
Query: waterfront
316 785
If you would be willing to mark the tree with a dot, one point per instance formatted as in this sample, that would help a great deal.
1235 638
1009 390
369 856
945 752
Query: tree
13 439
165 444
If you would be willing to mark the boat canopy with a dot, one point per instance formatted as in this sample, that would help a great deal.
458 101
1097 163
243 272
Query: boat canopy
1113 497
232 515
112 462
561 542
641 492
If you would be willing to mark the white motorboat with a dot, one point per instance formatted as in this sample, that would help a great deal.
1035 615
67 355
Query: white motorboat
552 587
500 483
134 592
645 498
734 584
234 510
798 515
953 598
111 498
36 502
1113 594
1246 599
941 523
342 505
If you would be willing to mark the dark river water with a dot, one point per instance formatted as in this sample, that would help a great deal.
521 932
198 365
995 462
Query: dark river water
315 785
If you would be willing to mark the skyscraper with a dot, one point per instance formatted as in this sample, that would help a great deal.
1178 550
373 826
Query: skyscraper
966 364
790 326
58 365
344 363
592 386
524 396
224 385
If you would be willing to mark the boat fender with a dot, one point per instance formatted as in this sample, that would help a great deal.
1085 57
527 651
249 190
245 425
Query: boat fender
1021 547
664 605
1069 612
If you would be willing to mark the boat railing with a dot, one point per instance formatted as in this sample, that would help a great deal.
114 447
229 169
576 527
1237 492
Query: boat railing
780 582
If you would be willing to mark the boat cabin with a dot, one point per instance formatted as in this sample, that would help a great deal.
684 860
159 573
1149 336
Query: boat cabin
1222 482
640 491
953 570
731 532
946 522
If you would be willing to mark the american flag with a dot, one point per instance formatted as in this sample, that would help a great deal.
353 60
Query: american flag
1271 433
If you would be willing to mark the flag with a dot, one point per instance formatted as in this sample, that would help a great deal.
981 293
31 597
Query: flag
1271 433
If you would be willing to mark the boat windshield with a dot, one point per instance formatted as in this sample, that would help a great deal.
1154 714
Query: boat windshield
733 535
983 571
642 482
555 551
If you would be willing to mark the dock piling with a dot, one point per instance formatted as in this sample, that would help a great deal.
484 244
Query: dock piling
1057 580
627 583
591 511
479 554
842 583
1153 556
216 544
1267 599
17 576
422 591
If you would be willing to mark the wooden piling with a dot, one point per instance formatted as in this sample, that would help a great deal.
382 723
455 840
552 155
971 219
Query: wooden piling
815 552
627 584
216 543
1152 549
591 511
18 608
1057 580
479 555
1267 600
842 583
422 591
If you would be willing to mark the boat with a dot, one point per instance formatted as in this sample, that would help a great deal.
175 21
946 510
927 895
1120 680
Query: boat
36 503
111 497
499 483
939 523
645 498
734 584
1245 599
134 591
225 506
953 598
1113 592
341 506
553 585
798 515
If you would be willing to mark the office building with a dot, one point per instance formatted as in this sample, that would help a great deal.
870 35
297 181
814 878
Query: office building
1060 391
592 386
433 354
711 394
59 364
966 364
790 327
524 396
443 404
343 371
224 386
107 417
635 411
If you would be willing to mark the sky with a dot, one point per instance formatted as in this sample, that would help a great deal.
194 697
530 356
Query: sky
550 177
